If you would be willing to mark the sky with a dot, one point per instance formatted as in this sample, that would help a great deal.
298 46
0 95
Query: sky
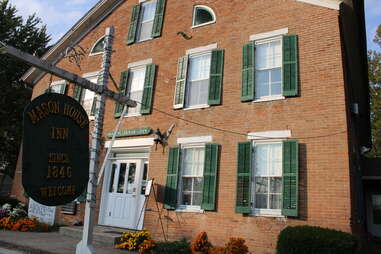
61 15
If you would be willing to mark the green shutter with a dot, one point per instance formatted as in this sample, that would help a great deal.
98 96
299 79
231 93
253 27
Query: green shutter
77 93
243 199
181 80
216 75
290 65
247 89
290 178
82 198
122 90
63 88
149 82
210 177
172 177
158 20
132 31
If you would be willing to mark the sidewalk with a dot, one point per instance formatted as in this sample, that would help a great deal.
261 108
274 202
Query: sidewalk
47 243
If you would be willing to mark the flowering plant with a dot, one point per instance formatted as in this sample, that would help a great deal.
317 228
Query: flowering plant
23 225
3 213
200 244
7 207
141 242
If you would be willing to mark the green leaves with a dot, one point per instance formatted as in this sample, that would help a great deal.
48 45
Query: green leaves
31 37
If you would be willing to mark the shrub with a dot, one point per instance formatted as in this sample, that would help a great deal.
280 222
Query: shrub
23 225
141 242
176 247
217 250
200 244
236 246
6 200
315 240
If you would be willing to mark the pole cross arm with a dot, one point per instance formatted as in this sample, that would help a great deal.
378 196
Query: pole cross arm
71 77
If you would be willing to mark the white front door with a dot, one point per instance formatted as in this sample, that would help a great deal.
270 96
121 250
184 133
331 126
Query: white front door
123 197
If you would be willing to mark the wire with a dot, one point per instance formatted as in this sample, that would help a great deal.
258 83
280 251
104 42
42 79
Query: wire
239 133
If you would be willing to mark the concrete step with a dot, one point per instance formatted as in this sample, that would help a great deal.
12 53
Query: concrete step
101 234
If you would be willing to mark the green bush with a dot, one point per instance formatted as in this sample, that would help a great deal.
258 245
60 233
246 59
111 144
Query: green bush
176 247
315 240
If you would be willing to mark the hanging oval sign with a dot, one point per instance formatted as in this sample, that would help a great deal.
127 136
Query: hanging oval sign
55 161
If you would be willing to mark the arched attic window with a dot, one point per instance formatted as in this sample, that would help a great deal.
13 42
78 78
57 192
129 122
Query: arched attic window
98 47
203 15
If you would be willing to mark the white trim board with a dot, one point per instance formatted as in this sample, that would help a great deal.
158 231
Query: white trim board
270 34
201 49
190 140
138 142
140 63
331 4
269 135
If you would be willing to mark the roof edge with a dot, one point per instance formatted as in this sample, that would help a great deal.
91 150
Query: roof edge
331 4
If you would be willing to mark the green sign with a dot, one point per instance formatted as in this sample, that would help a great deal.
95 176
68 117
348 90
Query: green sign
55 149
131 132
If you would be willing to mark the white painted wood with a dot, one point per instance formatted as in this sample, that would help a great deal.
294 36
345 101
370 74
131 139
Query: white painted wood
331 4
124 143
270 34
269 134
210 10
201 49
190 140
140 63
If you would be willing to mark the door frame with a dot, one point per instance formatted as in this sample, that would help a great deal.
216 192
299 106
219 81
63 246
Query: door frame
138 154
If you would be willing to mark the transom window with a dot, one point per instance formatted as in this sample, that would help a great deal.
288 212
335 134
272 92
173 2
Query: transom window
267 183
135 88
203 15
268 68
191 177
147 15
198 80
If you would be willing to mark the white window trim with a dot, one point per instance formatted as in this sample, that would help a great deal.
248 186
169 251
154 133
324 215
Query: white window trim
136 66
331 4
58 82
140 22
210 10
90 75
92 48
258 211
267 38
198 106
202 49
268 35
269 135
192 140
140 63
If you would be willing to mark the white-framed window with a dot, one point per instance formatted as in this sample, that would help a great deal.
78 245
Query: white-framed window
191 175
203 15
135 88
267 178
98 47
146 19
57 87
197 87
268 69
88 98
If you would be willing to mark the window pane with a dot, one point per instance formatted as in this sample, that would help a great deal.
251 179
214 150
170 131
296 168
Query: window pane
199 67
145 31
275 201
186 198
56 88
261 201
261 185
131 178
98 47
261 160
262 84
275 185
260 56
197 199
122 176
111 186
187 183
135 88
275 159
275 52
376 205
197 93
202 16
148 11
197 184
144 178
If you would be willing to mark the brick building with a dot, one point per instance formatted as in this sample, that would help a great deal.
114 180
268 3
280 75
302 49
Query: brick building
270 105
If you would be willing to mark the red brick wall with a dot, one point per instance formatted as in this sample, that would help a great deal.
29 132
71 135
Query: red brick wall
317 112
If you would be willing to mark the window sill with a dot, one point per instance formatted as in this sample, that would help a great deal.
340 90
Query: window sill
267 213
197 107
132 115
96 54
204 24
150 39
269 98
188 210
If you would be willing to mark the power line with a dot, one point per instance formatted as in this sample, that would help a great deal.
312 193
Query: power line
239 133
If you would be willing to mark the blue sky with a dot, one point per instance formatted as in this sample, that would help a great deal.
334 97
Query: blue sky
61 15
